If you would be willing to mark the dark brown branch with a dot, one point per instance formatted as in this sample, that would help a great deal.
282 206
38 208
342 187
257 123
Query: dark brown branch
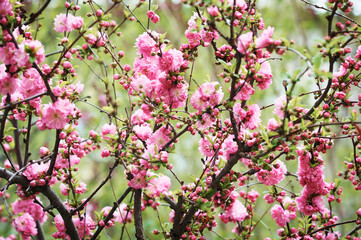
54 154
33 16
138 221
97 189
111 213
40 234
50 194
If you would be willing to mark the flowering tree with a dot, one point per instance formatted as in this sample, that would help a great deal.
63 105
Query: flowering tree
165 105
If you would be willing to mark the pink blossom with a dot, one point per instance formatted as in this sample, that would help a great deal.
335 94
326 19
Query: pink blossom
22 57
264 74
265 39
84 227
171 60
142 84
279 215
36 171
159 185
194 38
213 11
8 84
67 23
273 124
251 118
147 67
139 117
229 146
341 72
138 179
81 188
159 138
7 53
31 83
37 49
5 7
310 175
108 129
208 95
235 212
280 104
246 90
238 3
273 176
55 115
174 96
143 131
146 44
25 225
244 42
205 147
152 16
28 206
121 214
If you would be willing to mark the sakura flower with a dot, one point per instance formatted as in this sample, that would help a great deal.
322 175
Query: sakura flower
235 212
205 147
5 7
159 185
55 115
244 42
25 225
108 129
28 206
265 39
171 60
274 176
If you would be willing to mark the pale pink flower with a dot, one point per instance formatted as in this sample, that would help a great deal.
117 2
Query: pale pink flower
142 84
238 3
159 185
265 39
25 225
244 42
28 206
143 131
273 124
280 104
146 44
205 147
273 176
108 129
8 84
138 181
31 83
213 11
235 212
246 90
171 60
279 215
5 7
264 74
159 138
55 115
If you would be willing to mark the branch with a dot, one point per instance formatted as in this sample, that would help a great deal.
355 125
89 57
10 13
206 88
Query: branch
138 222
50 194
55 153
33 16
110 214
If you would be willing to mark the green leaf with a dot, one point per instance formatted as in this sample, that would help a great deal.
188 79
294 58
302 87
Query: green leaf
210 193
317 60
